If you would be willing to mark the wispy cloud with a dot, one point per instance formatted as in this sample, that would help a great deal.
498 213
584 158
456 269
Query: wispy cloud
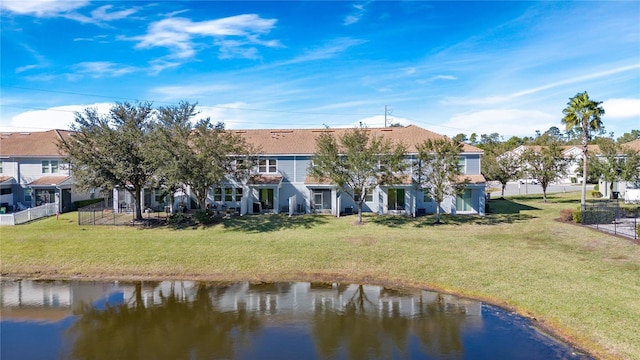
329 50
358 12
508 97
98 69
235 35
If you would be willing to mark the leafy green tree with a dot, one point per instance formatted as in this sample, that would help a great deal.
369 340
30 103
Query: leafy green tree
113 150
357 162
460 138
546 166
586 114
200 156
498 164
437 170
629 136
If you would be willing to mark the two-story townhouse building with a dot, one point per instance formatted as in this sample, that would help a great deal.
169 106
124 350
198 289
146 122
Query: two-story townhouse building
32 171
573 153
281 183
627 190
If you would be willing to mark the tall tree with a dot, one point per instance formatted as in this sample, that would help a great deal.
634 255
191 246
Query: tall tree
498 164
629 136
547 165
357 162
203 155
113 150
586 114
437 170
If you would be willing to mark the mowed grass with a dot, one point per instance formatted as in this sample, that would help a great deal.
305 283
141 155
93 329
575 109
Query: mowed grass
583 284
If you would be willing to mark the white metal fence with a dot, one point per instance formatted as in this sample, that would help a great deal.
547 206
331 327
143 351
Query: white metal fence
24 216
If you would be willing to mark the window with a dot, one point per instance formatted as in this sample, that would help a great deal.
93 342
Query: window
49 166
427 196
462 164
368 197
228 194
217 194
238 194
267 166
27 196
5 191
1 166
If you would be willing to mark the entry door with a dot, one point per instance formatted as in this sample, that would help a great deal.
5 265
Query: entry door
317 200
465 202
266 198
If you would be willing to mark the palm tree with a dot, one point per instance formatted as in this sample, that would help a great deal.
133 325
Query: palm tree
586 113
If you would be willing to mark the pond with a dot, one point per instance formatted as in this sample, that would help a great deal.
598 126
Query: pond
242 320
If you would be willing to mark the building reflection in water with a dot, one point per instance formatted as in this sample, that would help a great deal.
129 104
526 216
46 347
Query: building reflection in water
184 319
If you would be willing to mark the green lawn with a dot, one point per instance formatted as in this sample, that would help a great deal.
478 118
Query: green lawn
583 284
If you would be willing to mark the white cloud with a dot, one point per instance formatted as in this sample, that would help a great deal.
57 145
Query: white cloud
42 8
59 117
621 108
327 51
179 35
506 122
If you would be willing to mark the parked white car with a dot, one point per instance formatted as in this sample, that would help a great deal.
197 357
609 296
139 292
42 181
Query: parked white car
529 181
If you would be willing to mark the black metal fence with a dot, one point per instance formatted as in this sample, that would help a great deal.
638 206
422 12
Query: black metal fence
100 214
609 216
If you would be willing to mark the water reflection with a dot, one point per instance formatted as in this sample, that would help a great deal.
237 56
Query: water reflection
194 320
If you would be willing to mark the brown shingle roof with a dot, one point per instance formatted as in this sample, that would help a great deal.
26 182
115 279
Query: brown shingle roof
41 143
635 145
303 141
50 180
266 180
7 179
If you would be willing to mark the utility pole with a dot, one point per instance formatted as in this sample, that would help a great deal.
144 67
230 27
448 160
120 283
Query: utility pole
386 112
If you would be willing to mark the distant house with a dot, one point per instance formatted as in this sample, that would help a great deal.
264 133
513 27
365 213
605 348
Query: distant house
282 184
571 152
32 171
627 190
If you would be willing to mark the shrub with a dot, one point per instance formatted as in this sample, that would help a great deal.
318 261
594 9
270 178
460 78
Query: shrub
566 215
598 217
177 218
204 217
577 216
596 194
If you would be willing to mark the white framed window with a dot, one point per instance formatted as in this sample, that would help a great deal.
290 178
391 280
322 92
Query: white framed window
238 194
368 197
50 167
268 166
1 166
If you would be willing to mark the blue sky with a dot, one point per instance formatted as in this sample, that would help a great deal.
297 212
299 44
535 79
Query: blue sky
452 67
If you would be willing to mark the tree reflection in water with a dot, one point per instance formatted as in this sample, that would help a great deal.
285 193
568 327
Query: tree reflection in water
190 320
174 329
365 330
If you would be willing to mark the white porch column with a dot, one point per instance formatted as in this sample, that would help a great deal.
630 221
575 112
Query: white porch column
116 200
